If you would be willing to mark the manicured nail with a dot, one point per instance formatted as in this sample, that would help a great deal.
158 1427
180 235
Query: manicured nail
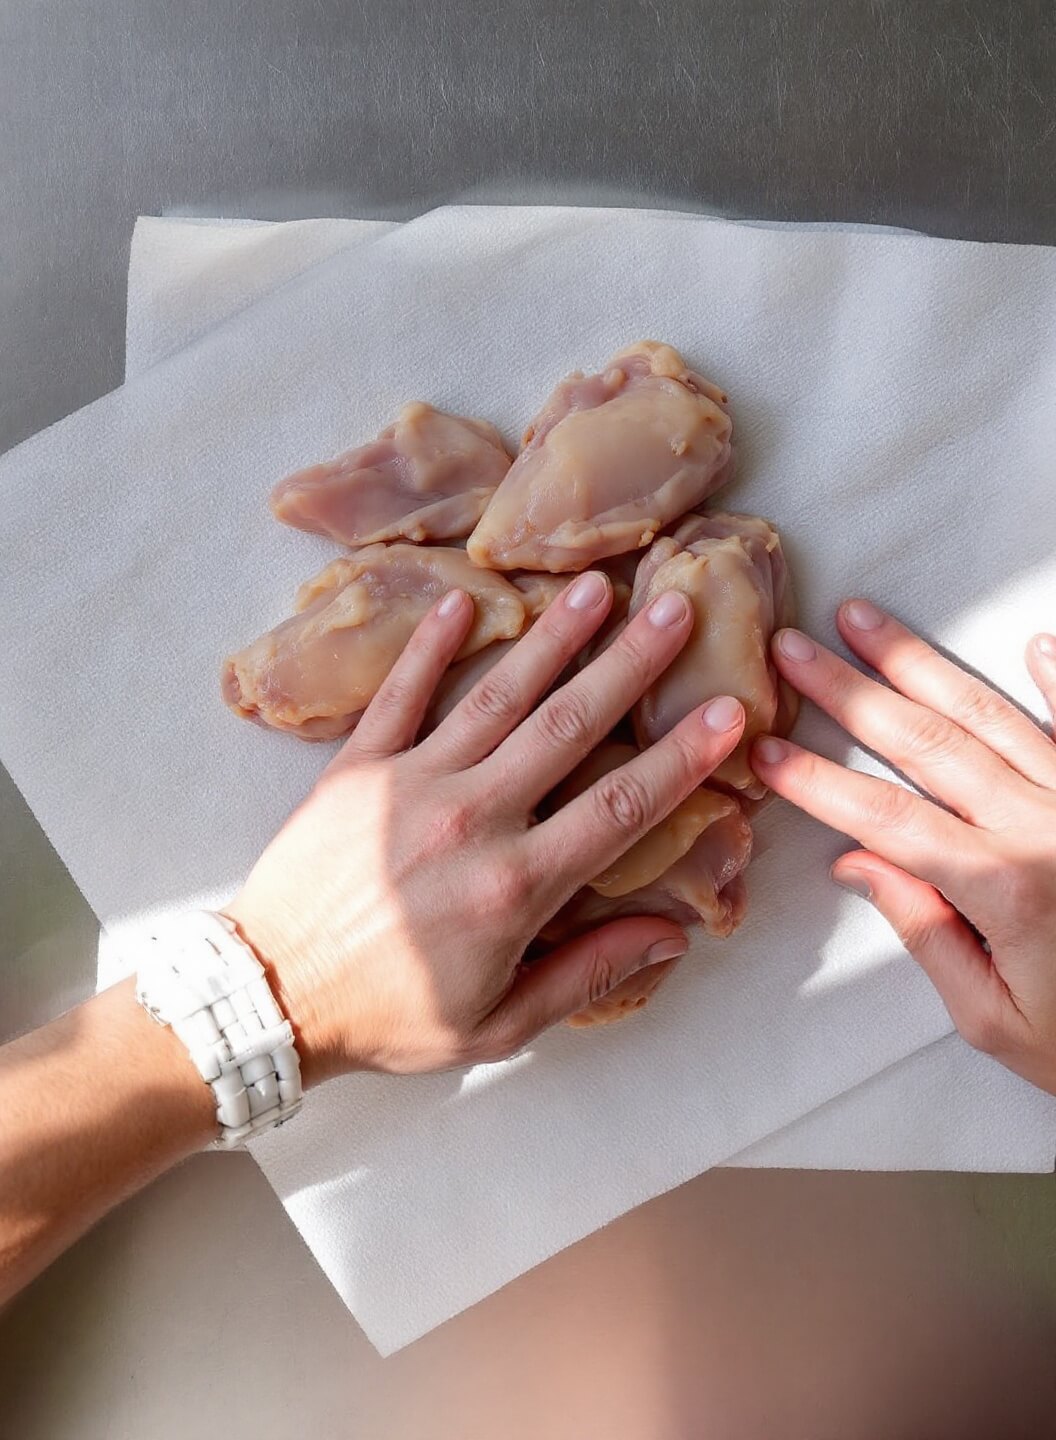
450 603
589 590
668 610
722 713
770 750
794 645
862 615
665 950
853 880
1046 645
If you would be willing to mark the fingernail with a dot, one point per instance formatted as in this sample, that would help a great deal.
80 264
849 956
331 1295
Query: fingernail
770 750
664 950
589 590
668 610
721 714
862 615
853 880
449 604
1046 645
794 645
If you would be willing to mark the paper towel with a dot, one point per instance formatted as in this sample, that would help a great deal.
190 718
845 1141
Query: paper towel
185 275
944 1108
892 399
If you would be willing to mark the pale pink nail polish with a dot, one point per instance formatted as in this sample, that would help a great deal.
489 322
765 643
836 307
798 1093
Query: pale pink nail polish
586 592
862 615
854 880
1046 645
722 713
770 750
668 610
449 604
794 645
665 950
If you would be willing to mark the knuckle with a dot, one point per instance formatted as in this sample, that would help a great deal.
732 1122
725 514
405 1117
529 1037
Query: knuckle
686 756
623 803
635 663
506 887
567 718
976 708
838 682
394 698
453 823
931 737
914 926
560 629
602 975
888 807
496 698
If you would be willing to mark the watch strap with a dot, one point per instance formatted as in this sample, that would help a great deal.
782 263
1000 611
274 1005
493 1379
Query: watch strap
203 980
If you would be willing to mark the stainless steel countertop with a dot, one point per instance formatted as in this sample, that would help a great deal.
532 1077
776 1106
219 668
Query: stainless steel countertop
744 1304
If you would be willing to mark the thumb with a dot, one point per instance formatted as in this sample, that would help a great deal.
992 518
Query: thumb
629 955
629 995
940 940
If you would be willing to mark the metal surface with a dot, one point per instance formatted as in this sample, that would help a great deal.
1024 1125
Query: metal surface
936 116
745 1304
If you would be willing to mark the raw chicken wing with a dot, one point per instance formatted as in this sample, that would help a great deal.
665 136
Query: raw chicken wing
426 477
315 673
610 459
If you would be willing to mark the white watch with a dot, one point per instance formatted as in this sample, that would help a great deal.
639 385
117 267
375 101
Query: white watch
201 979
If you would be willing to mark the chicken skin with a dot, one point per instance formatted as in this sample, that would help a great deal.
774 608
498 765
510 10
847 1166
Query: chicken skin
608 462
316 672
733 571
427 477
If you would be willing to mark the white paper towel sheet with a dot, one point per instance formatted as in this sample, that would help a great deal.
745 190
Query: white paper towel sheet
943 1108
893 404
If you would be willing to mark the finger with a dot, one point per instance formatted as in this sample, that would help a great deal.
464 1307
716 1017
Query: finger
590 833
935 753
629 995
392 719
888 819
579 973
569 723
504 696
1041 662
924 675
939 939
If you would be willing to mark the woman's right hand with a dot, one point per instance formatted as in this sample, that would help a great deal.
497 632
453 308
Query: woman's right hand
393 909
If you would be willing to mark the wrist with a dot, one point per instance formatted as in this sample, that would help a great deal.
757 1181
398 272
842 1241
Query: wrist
99 1102
297 988
155 1062
199 977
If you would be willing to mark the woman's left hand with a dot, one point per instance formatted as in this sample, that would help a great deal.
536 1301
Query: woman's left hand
985 854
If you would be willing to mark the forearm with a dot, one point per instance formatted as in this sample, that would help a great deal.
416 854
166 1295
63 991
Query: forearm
92 1107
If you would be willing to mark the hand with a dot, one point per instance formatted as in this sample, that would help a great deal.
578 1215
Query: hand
394 907
991 862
